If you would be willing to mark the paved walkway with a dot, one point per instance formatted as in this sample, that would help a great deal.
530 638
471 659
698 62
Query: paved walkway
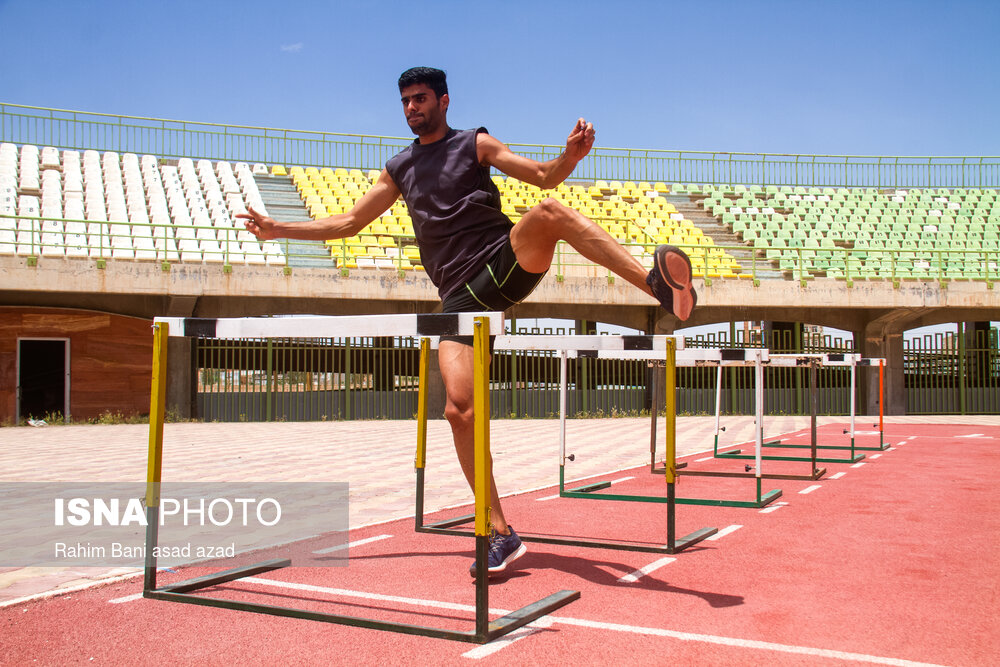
374 457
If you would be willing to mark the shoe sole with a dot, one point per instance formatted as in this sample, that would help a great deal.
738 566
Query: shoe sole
521 550
675 267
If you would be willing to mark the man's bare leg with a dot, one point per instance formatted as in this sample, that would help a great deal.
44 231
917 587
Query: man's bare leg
456 362
535 236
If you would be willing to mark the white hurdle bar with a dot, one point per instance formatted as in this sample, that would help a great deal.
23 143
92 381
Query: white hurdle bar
331 326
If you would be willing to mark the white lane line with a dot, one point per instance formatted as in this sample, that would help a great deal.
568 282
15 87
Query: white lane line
640 573
875 456
810 489
773 507
837 475
487 650
972 435
722 533
622 479
741 643
858 464
707 458
612 627
127 598
351 545
556 495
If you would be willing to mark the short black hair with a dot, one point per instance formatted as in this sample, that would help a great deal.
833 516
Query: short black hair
434 79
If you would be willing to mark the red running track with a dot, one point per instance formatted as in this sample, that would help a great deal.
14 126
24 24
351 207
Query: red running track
892 562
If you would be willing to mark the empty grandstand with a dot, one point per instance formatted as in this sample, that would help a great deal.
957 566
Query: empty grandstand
108 221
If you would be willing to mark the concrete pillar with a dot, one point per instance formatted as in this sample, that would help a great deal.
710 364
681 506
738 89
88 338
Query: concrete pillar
886 344
182 378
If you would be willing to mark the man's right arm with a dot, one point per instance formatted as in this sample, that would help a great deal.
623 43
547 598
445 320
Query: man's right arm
379 198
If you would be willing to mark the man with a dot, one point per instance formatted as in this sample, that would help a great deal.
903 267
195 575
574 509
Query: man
476 257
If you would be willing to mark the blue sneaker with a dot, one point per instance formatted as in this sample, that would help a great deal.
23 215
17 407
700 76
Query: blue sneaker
504 550
670 281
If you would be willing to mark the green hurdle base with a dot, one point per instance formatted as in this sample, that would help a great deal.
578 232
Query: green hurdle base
673 544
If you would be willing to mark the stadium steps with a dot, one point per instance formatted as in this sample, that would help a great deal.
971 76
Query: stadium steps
721 235
284 204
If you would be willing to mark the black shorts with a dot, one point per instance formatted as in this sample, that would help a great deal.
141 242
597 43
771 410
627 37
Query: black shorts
501 284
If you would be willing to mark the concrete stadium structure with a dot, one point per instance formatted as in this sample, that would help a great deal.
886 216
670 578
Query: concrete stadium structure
37 290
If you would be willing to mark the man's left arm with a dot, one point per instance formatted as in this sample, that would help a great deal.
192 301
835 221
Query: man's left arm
546 175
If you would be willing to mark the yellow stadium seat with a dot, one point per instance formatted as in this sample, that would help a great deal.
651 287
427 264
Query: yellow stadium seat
278 170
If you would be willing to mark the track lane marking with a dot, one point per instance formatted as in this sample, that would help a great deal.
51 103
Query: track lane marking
773 508
351 545
810 489
613 627
837 475
487 650
641 572
722 533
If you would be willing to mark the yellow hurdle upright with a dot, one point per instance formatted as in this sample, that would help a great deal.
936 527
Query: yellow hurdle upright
481 405
670 395
157 410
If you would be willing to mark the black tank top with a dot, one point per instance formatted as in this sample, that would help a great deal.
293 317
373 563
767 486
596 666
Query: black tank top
454 204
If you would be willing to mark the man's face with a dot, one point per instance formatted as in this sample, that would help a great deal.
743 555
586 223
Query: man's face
424 111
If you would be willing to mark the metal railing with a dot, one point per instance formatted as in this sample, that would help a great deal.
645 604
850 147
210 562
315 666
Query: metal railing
68 129
949 373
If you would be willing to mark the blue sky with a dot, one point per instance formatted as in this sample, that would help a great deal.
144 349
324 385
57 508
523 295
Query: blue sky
886 77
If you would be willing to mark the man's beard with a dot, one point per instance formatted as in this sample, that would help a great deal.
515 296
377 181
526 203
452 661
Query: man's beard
424 125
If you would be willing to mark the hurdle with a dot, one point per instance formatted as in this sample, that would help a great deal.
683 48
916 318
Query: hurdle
479 325
721 358
854 361
813 362
814 471
664 347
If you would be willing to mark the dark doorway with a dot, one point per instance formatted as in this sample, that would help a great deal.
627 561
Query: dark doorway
41 380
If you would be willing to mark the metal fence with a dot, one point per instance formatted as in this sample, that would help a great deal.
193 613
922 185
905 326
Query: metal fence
68 129
949 373
369 378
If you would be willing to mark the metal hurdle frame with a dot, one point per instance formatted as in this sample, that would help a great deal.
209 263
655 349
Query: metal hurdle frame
813 361
480 325
854 360
592 346
815 472
719 358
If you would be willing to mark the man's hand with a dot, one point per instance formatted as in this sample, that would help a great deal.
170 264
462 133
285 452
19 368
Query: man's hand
580 140
258 224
